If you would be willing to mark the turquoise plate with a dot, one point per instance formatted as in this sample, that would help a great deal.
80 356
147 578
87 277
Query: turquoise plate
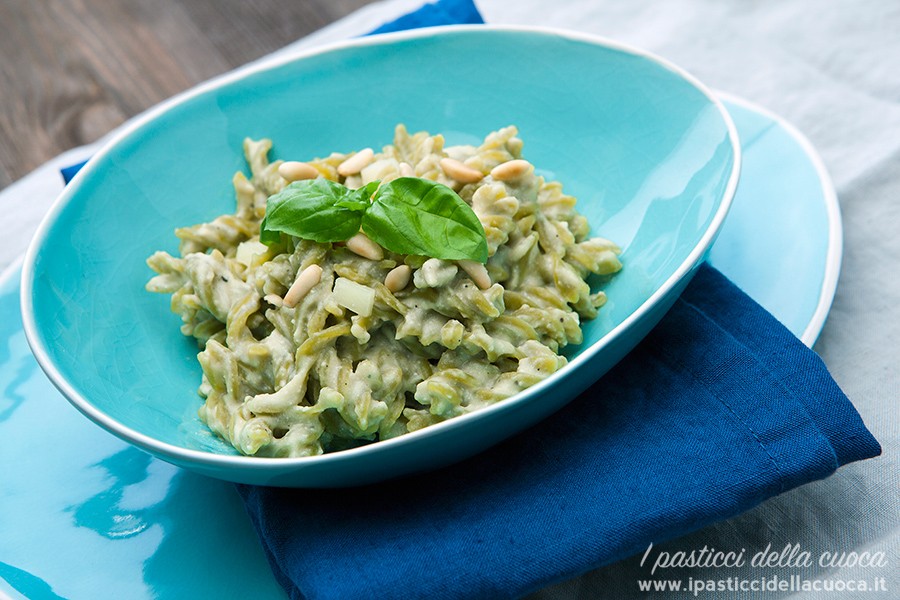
651 154
781 261
121 524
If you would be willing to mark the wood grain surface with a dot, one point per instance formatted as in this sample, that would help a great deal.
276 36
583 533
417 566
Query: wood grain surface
71 70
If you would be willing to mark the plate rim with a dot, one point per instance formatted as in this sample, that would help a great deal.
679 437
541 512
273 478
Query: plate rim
835 246
263 466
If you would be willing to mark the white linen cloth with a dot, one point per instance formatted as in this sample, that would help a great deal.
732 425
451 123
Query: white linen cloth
830 68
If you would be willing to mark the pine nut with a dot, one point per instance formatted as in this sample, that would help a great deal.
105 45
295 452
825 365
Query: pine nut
406 170
477 272
459 171
510 170
398 278
356 163
293 170
362 245
306 280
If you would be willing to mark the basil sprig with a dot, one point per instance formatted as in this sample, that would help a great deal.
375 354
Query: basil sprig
407 216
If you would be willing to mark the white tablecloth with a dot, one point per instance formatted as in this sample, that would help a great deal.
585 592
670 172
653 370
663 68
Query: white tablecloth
830 67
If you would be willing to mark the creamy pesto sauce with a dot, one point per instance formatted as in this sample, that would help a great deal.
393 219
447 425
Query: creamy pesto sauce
314 378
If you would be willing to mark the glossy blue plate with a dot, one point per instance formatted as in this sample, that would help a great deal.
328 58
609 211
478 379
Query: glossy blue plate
651 154
782 260
118 523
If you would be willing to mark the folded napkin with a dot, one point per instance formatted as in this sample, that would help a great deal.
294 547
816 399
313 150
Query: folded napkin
718 409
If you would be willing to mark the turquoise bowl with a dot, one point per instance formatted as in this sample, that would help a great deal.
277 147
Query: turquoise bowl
652 156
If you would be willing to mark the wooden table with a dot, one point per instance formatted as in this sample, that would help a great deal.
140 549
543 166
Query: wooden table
71 70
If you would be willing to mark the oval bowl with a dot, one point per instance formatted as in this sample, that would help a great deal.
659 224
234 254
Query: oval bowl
649 152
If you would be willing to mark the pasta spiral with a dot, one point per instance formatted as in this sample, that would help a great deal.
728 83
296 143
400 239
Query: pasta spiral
298 379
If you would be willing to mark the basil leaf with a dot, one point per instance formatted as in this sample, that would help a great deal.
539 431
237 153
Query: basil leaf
407 216
354 205
418 216
359 200
367 190
312 209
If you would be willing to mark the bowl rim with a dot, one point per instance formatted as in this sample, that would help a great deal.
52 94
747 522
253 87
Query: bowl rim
274 466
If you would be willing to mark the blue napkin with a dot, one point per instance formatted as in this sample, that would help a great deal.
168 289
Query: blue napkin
718 409
442 12
69 172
